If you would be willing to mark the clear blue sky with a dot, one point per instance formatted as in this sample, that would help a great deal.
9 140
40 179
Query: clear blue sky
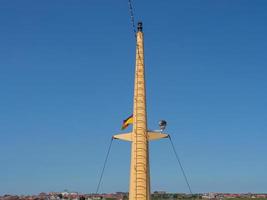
66 82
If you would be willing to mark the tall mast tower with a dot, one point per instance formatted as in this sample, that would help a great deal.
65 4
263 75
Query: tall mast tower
139 187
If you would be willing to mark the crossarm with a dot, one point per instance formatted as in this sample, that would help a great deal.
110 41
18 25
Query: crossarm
124 136
156 135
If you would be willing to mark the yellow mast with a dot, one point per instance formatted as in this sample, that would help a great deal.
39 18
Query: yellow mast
139 188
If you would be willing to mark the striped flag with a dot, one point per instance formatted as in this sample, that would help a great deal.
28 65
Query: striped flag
127 122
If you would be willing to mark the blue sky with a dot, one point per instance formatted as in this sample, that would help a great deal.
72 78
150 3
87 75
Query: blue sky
66 82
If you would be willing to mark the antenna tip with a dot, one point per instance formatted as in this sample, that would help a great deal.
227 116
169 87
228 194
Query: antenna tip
140 26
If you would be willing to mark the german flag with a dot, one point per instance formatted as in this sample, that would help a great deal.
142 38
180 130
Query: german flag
127 122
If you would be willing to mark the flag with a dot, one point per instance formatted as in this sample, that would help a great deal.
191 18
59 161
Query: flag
127 122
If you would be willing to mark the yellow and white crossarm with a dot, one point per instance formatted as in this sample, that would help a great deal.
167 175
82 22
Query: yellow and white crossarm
123 136
152 135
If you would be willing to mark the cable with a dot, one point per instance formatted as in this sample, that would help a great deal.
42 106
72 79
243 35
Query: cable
132 16
181 166
103 169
